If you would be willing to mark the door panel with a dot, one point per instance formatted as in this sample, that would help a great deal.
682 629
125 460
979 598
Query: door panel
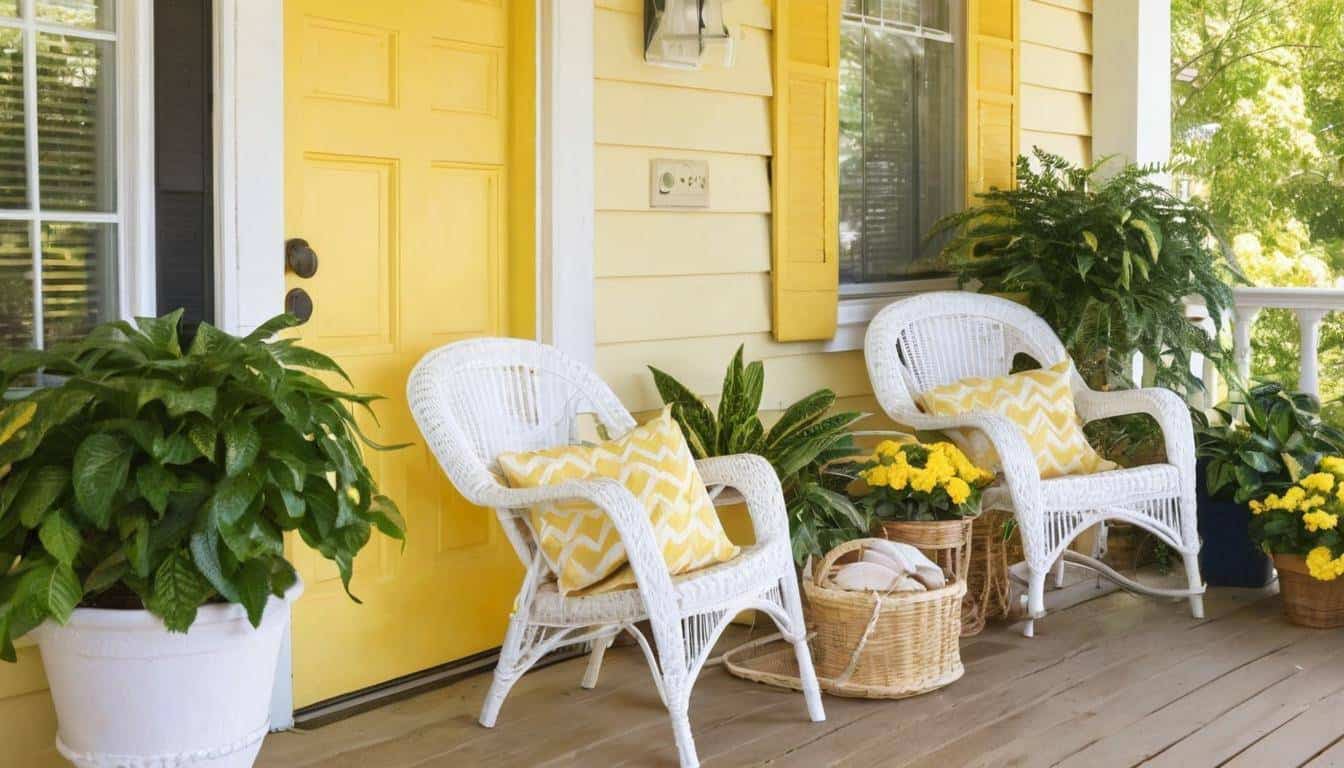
398 172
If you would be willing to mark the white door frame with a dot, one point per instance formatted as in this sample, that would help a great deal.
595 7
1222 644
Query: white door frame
250 192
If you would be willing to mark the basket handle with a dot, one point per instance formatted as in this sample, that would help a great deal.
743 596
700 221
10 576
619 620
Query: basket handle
822 573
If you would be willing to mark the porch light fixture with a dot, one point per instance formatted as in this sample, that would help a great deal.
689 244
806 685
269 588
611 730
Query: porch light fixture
678 32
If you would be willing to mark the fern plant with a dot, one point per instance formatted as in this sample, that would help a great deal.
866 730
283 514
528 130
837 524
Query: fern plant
799 445
1106 261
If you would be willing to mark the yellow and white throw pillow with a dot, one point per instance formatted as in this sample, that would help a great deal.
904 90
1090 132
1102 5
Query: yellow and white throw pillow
653 461
1039 401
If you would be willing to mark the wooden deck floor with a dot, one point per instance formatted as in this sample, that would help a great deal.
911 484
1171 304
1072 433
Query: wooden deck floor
1115 681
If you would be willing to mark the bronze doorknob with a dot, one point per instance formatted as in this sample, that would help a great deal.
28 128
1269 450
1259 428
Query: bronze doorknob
300 257
299 304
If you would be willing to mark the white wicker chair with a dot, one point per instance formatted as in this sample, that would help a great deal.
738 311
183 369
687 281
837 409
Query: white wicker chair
922 342
476 399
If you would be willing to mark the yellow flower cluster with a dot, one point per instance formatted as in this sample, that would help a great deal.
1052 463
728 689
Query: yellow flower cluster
945 466
1323 565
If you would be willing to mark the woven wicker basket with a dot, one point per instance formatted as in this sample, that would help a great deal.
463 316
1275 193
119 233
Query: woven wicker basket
1308 601
878 646
988 585
947 543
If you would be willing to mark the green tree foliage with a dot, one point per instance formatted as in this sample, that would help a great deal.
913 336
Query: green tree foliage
1258 128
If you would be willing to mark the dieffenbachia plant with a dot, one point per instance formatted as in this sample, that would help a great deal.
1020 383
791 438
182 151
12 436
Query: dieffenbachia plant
157 476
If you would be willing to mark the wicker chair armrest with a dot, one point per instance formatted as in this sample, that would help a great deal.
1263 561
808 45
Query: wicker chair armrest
627 515
1166 407
754 478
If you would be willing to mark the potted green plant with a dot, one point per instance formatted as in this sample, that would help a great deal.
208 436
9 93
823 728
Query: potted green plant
1300 528
143 508
1261 442
1107 261
800 444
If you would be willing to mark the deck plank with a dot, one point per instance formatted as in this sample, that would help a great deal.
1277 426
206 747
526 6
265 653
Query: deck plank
1114 681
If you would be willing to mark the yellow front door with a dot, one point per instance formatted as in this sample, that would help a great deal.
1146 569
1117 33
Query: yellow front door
403 139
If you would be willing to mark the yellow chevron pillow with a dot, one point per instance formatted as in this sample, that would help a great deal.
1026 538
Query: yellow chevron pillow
1039 401
653 461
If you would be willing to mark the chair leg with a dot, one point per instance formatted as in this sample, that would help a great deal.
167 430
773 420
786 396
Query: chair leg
807 675
506 671
681 728
1035 599
1195 581
1059 572
600 646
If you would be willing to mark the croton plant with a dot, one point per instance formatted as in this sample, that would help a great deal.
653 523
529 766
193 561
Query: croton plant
149 475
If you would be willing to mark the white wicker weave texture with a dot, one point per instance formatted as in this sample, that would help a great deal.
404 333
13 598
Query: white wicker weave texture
938 338
476 399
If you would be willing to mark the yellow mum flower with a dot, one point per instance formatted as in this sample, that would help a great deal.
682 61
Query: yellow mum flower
898 476
1333 464
940 466
1290 500
1320 521
876 476
1324 566
889 448
1256 507
1311 502
923 480
1321 482
957 490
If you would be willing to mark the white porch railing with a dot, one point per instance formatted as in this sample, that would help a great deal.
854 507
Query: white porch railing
1310 305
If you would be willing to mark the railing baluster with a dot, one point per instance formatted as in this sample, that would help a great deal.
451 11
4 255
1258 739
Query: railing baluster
1309 326
1241 338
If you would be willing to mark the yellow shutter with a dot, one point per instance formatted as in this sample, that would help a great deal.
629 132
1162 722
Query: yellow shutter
805 170
992 95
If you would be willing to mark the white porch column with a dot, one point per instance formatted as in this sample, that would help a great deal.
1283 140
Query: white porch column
565 314
1241 339
1131 80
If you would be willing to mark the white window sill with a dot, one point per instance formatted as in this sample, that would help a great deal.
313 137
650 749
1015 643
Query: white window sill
859 304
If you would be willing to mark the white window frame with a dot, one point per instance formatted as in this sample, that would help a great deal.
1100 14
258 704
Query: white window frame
134 105
860 302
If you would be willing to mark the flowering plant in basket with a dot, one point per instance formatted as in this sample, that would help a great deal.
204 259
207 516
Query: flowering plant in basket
909 480
1304 520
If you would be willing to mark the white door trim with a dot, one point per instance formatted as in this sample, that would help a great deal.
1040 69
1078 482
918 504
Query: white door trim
565 314
250 192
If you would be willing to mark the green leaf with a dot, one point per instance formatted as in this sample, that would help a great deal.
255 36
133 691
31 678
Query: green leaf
387 518
155 482
242 443
205 437
1259 462
60 537
102 463
233 496
14 417
106 573
205 554
799 415
254 588
302 357
694 416
39 492
1151 236
1091 240
271 327
179 589
162 332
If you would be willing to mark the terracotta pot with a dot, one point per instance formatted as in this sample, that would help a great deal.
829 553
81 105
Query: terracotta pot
1308 601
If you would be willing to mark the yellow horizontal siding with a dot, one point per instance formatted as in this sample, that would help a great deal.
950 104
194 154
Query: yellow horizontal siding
639 114
737 183
1056 68
792 370
681 306
1075 149
1051 111
1057 78
1056 26
635 244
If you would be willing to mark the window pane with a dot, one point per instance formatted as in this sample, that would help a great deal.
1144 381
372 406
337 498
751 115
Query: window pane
76 124
902 11
79 284
900 145
89 14
16 286
851 152
9 7
13 171
937 15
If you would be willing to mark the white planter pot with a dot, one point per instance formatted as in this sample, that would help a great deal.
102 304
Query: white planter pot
131 694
